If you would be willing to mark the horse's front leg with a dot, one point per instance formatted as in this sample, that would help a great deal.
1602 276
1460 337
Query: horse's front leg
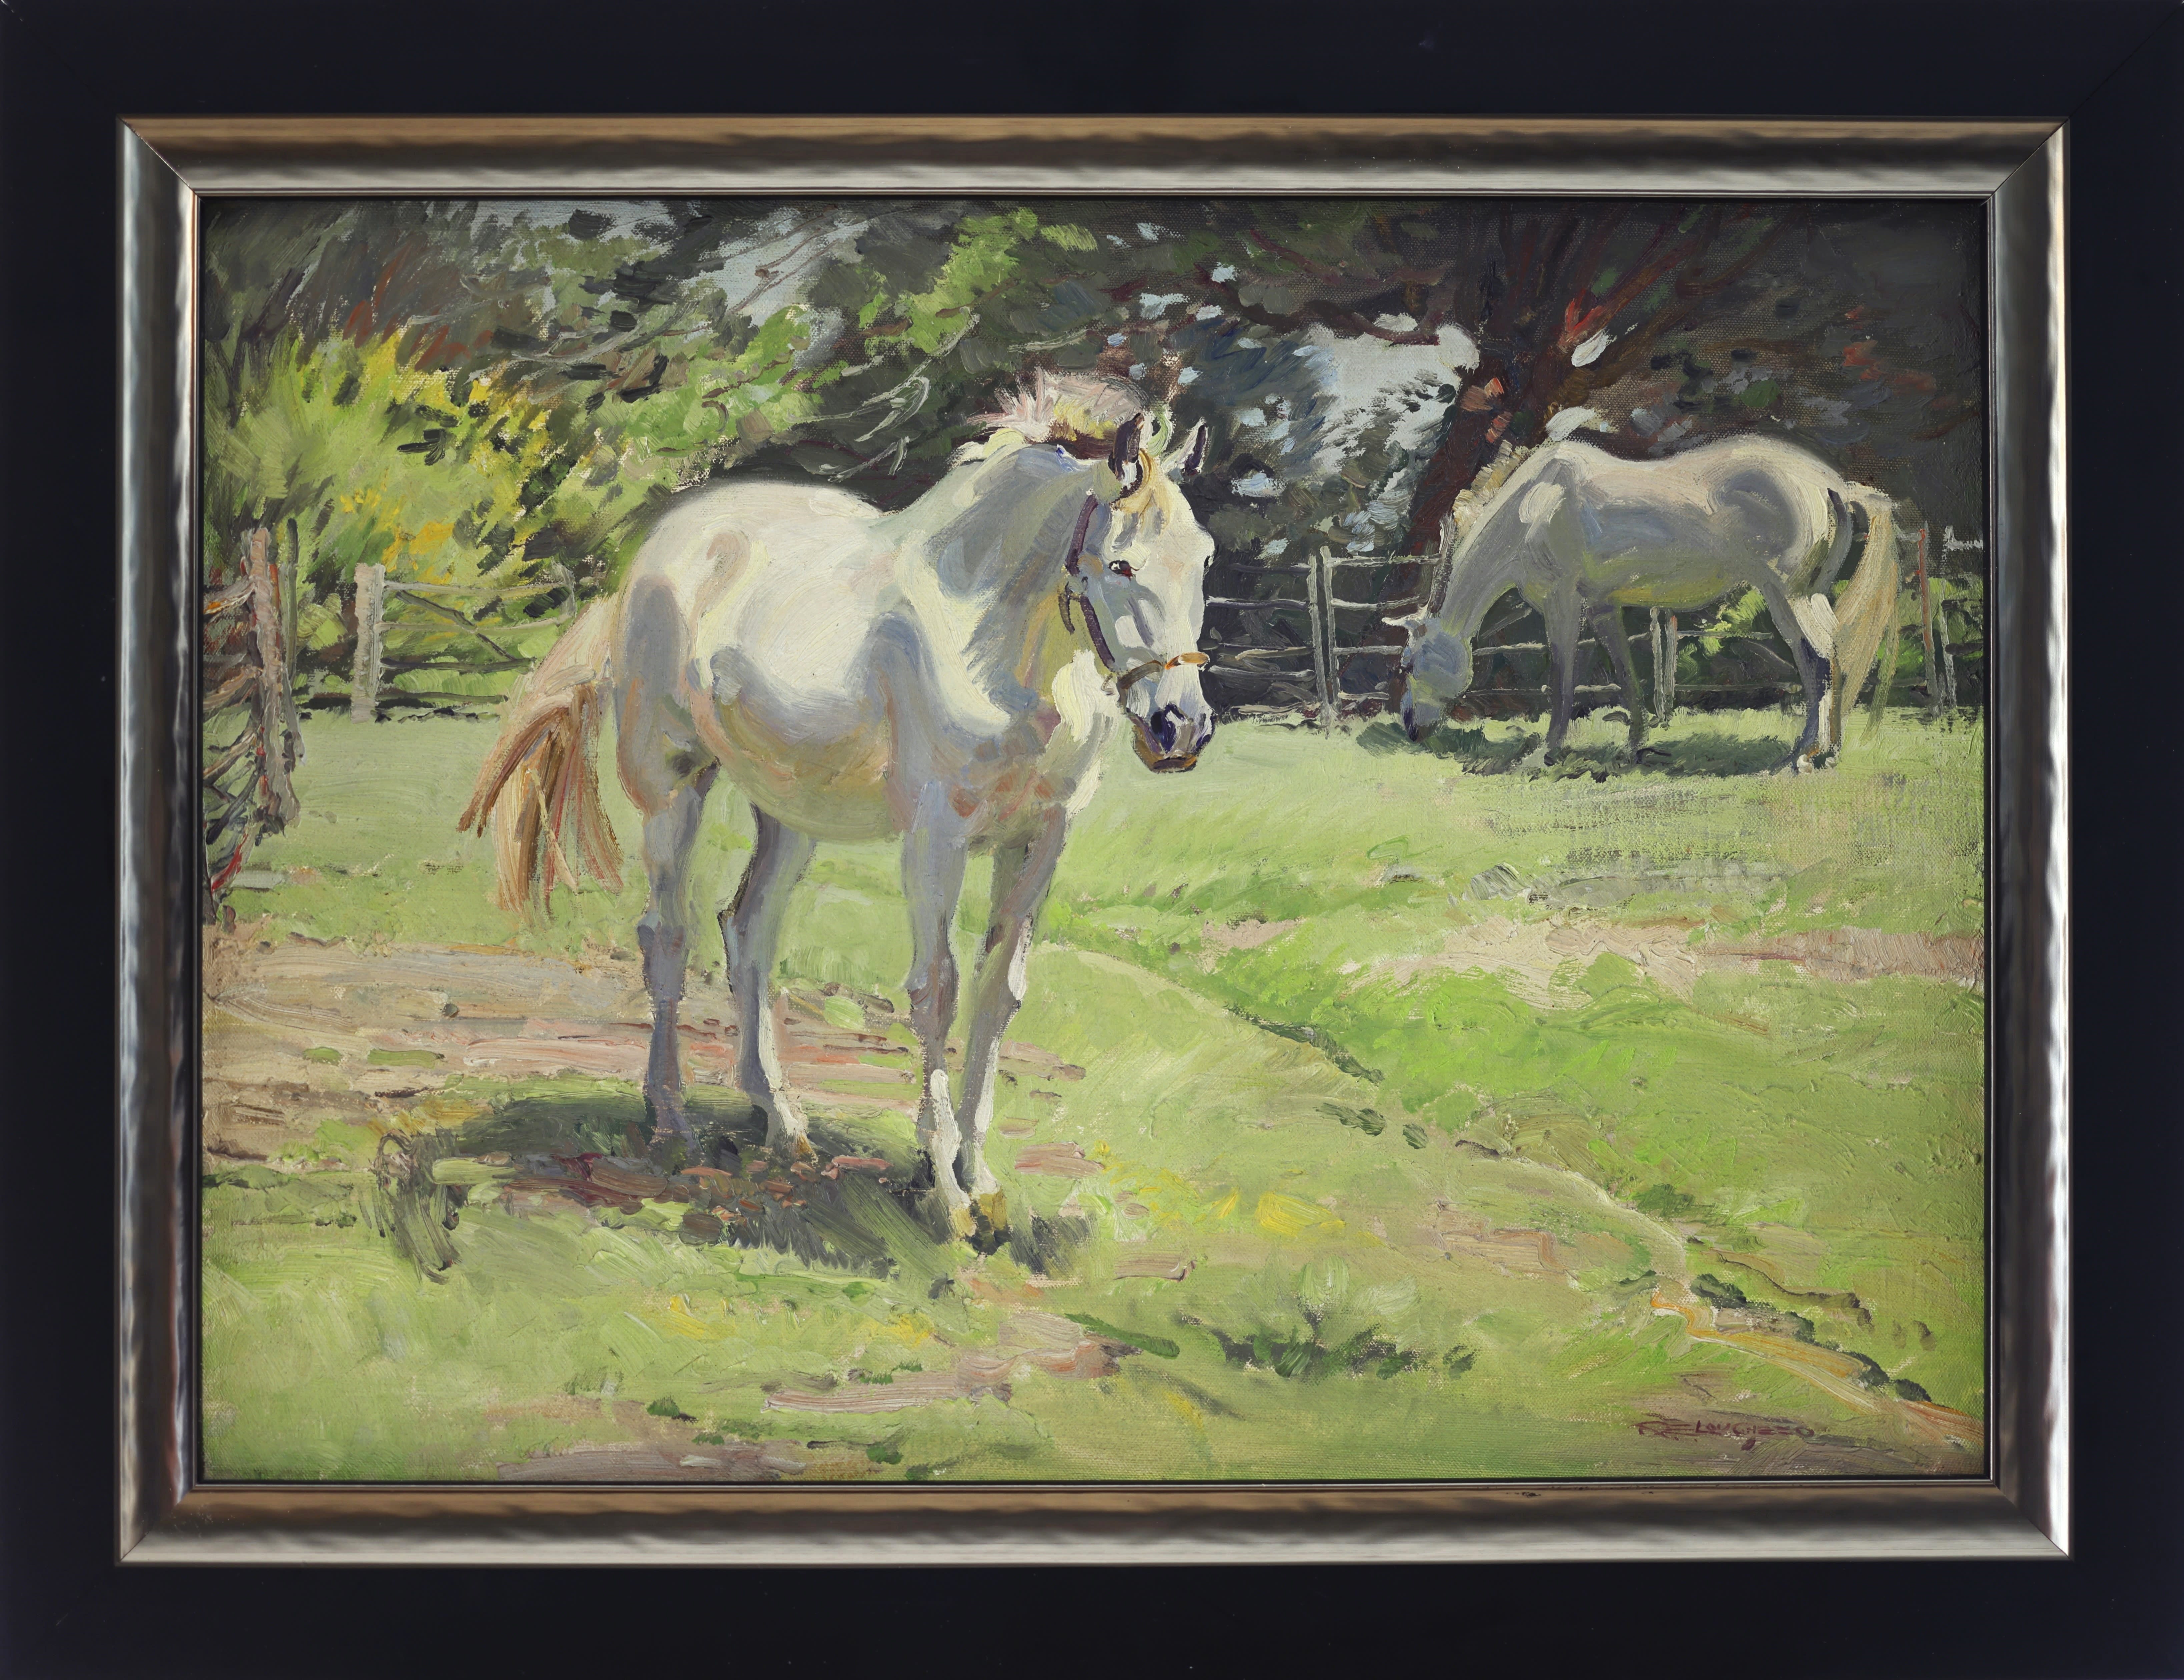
670 833
1607 627
1562 618
934 853
1816 741
1023 869
750 932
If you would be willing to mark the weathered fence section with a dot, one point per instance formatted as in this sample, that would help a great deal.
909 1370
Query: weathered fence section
370 656
427 606
1307 639
252 737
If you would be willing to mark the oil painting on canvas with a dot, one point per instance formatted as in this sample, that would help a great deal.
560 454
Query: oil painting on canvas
1065 840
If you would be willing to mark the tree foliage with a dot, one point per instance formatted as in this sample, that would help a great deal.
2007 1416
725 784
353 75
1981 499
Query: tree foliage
500 393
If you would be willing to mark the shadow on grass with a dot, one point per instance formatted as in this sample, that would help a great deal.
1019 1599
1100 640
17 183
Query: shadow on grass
1704 752
588 1150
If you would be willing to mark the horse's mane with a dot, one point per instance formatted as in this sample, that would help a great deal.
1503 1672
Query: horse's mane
1463 516
1475 496
1075 412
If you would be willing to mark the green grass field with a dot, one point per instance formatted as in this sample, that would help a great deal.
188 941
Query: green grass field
1435 1121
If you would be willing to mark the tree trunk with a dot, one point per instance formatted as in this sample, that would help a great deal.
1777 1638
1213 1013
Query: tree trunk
1504 402
1475 427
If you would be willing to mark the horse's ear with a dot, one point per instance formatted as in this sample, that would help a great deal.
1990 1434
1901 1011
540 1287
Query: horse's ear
1123 459
1197 456
1186 460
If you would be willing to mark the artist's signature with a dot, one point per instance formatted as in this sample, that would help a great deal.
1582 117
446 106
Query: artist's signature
1746 1431
1953 544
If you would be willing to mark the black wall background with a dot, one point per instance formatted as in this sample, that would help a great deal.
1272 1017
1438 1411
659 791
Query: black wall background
69 67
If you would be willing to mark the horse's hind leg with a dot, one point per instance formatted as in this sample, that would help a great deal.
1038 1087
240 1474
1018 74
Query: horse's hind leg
670 834
1607 627
750 929
1813 669
1023 871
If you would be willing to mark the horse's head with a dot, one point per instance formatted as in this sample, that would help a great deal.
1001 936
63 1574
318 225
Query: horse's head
1437 667
1137 568
1436 670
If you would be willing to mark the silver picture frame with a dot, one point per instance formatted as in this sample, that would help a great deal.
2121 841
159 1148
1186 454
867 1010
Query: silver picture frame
169 167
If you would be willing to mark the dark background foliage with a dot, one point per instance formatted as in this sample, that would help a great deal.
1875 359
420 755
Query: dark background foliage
526 382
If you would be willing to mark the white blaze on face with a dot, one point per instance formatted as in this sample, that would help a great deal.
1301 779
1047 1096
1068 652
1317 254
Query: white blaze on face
1143 572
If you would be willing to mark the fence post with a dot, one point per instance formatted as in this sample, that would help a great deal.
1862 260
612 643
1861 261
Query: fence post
363 681
291 591
1315 592
280 740
1934 681
1937 636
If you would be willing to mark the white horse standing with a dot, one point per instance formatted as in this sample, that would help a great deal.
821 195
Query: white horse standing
1581 534
857 676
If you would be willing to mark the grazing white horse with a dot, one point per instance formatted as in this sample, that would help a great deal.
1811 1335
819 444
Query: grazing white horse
1582 534
949 674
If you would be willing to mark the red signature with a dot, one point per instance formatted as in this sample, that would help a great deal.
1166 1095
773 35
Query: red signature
1737 1429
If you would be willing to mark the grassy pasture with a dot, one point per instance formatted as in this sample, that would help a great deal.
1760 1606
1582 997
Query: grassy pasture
1384 1111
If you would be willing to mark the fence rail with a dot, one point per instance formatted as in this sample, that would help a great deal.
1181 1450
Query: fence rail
370 691
1331 656
1323 668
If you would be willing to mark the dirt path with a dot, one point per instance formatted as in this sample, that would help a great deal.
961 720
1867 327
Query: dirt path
663 1450
299 1032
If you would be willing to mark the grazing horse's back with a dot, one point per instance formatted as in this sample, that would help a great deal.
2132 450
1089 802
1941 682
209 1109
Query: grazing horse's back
1583 534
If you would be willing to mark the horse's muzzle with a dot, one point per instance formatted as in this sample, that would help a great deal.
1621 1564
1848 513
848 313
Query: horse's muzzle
1171 740
1153 759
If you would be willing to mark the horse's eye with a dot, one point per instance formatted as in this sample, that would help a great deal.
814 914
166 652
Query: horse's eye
1122 568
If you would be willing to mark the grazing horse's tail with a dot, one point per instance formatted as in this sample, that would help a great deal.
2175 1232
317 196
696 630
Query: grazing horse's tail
1867 611
539 787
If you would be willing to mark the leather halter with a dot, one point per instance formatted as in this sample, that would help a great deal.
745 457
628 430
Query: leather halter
1124 679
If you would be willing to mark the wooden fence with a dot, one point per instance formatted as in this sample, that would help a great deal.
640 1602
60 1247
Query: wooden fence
371 690
1273 650
251 740
1318 672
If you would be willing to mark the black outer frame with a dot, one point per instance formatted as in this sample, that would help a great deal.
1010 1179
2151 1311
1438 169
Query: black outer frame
68 68
2019 1511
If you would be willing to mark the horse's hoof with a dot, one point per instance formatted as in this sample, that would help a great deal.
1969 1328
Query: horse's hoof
670 1151
674 1127
955 1212
791 1143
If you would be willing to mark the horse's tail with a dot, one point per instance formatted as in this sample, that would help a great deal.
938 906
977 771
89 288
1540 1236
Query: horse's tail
1867 610
539 787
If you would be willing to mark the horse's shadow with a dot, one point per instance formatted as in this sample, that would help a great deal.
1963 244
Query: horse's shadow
1703 752
856 1204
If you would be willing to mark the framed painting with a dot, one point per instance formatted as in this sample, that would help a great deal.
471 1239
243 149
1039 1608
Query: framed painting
1154 839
